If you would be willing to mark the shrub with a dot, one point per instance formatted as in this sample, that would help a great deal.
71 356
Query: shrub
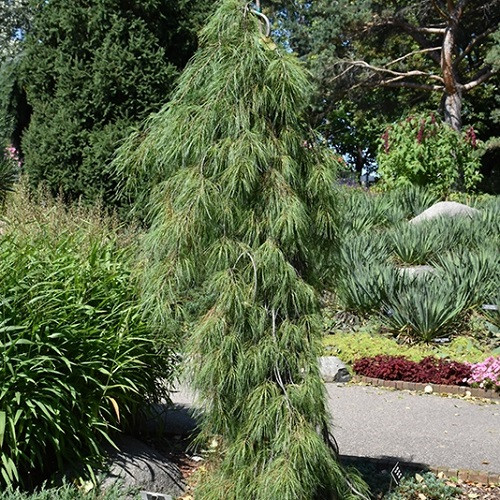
424 152
67 492
78 360
426 486
92 71
486 374
428 370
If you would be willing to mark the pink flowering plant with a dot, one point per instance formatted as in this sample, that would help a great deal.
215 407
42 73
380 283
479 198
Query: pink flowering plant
486 374
11 154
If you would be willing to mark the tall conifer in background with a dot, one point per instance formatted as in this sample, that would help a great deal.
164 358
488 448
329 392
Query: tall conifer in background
242 226
92 70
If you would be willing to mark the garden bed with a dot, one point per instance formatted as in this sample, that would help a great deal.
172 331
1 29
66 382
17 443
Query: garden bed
476 392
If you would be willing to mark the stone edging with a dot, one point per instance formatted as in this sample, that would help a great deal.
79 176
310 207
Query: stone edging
472 476
475 392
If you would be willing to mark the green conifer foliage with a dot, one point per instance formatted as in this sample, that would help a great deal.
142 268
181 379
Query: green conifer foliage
92 70
241 224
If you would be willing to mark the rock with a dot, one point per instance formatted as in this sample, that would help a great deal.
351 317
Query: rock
136 465
333 370
173 420
445 209
415 271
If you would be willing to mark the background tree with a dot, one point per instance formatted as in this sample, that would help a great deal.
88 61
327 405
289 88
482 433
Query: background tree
243 225
93 69
385 46
15 16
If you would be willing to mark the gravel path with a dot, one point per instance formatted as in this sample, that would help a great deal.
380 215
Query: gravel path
427 429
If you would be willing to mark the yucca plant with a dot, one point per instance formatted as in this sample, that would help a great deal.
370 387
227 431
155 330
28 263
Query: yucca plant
362 212
426 307
246 217
476 274
412 200
364 288
417 244
363 273
78 360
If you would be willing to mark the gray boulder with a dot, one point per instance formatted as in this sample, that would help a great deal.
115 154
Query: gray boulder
445 209
416 271
138 466
333 370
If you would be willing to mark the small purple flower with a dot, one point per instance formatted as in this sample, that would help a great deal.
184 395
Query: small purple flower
385 138
420 134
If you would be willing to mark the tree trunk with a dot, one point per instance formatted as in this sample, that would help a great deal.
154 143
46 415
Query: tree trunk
453 109
453 89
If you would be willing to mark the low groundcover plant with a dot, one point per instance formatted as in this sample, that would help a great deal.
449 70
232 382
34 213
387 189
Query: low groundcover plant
486 374
428 370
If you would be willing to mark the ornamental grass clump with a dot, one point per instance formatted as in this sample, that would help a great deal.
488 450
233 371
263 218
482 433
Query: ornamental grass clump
78 360
244 225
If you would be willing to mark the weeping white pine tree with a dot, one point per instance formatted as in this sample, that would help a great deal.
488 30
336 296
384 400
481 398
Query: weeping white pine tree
243 221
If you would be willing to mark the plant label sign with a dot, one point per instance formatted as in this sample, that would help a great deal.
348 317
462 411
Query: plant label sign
396 474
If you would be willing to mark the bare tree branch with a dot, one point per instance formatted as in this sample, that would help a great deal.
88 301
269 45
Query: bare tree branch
404 74
477 81
429 29
410 85
419 38
460 8
473 43
440 10
421 51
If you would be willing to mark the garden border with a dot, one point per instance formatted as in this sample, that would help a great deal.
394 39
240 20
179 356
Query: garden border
466 475
461 390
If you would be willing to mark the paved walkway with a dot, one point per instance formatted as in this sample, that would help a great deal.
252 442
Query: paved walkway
426 429
429 429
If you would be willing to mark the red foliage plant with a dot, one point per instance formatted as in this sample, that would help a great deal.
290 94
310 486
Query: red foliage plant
428 370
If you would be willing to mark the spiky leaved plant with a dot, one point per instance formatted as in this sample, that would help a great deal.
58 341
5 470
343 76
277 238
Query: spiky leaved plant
242 226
